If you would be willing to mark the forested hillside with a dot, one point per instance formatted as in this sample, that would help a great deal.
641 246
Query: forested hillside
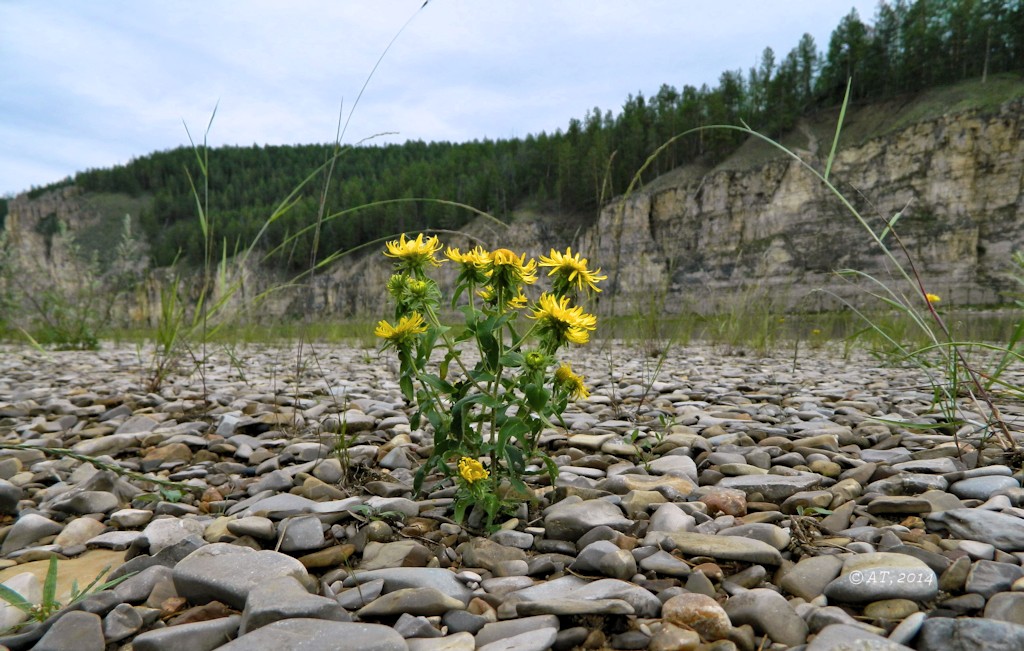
906 47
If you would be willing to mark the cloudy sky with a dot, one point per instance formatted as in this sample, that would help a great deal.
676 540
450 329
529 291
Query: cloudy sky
94 84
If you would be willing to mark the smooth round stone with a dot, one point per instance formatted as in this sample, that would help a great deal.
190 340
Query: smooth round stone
84 502
882 575
890 609
665 563
26 530
826 468
775 536
78 532
570 521
605 558
981 488
808 578
130 518
165 532
510 538
669 517
1006 607
253 525
673 638
700 613
769 613
488 554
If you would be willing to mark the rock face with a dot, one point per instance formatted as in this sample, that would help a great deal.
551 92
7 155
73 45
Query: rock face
696 236
956 179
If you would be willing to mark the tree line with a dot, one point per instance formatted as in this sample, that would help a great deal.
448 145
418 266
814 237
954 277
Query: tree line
908 47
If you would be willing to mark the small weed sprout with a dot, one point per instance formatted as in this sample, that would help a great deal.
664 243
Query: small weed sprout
49 604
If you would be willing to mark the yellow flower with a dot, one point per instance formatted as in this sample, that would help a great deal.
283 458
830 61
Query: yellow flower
570 324
816 332
570 269
408 327
514 303
476 258
509 269
414 254
572 383
472 470
932 298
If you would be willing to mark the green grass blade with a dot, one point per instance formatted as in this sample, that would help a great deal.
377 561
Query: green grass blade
50 584
839 127
15 599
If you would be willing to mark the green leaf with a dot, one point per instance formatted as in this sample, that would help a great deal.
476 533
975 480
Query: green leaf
15 599
50 584
537 396
512 428
511 359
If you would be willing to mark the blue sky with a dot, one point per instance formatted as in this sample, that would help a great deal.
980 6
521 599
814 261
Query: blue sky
94 84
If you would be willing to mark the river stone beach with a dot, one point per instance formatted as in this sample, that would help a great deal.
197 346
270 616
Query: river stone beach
722 502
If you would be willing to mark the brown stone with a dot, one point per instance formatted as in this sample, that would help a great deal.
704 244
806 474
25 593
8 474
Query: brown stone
700 613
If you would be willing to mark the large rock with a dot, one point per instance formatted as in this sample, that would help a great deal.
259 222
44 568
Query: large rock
1005 532
228 573
319 635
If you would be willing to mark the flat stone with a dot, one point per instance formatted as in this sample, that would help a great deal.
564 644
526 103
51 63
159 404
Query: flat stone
969 634
397 578
537 640
773 488
775 536
881 575
285 598
481 552
415 601
981 488
74 631
989 577
665 563
844 637
510 628
570 587
228 573
1005 532
730 548
460 641
301 634
27 530
570 521
165 532
198 636
574 607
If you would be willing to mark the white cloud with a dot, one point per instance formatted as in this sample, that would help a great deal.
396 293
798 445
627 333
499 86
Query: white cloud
94 84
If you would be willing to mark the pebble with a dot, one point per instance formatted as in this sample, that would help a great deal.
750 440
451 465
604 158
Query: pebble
763 480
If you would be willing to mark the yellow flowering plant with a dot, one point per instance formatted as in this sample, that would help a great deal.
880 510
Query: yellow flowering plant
487 417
